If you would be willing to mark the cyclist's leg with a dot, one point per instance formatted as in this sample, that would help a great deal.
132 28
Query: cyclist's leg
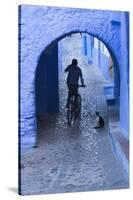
77 103
70 110
69 95
75 92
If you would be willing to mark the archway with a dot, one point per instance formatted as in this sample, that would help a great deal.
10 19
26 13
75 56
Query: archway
47 78
98 23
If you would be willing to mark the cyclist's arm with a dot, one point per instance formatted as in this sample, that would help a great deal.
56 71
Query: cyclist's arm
81 78
67 69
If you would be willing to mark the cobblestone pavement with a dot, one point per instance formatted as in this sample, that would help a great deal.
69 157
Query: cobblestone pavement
77 158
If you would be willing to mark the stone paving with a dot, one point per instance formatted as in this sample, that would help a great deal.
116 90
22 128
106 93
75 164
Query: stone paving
77 158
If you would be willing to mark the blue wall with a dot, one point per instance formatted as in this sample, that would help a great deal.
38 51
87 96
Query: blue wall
39 26
87 46
95 57
85 43
89 49
116 83
124 72
104 65
47 97
121 74
102 61
60 67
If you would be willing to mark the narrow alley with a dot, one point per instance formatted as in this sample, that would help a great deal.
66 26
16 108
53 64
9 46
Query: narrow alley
77 158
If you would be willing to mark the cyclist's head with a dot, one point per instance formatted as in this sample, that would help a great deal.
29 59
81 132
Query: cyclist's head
74 62
97 113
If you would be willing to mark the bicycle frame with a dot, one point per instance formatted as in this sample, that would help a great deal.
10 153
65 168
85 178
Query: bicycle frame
74 109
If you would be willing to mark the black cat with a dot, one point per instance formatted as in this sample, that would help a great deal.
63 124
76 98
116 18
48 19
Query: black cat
100 121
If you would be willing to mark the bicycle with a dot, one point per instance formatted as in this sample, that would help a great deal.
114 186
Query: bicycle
74 108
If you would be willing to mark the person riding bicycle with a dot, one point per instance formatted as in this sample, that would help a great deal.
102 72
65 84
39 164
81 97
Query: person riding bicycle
74 73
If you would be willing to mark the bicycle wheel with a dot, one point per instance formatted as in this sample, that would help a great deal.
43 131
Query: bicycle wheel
70 112
78 107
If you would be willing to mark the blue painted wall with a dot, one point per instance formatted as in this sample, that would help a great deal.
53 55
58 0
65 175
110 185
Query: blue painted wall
47 82
88 43
39 26
124 72
121 74
104 66
117 83
95 57
85 43
89 49
102 61
60 67
115 20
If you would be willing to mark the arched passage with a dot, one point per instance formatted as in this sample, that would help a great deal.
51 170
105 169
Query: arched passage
47 80
98 23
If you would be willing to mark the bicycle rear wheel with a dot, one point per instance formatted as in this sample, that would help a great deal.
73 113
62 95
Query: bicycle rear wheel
70 113
78 107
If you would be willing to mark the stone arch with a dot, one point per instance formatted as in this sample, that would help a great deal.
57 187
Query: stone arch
111 48
55 43
65 21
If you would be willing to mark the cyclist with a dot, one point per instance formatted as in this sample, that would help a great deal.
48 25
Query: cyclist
74 73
